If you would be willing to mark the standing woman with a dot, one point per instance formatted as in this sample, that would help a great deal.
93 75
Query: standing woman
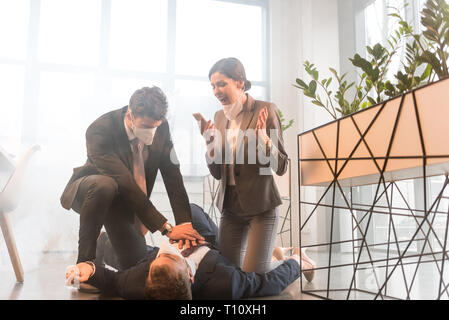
248 198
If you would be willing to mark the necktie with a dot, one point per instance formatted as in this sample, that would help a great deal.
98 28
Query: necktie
139 177
138 165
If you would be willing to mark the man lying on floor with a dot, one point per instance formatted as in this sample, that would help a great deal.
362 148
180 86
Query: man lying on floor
202 274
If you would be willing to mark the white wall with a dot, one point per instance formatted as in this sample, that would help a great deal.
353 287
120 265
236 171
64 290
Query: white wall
301 30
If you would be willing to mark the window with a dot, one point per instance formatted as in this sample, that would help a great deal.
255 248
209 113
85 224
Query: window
64 109
222 29
14 15
12 79
380 27
207 31
138 35
69 31
63 63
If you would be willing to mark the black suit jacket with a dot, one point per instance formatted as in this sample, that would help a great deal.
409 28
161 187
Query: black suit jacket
216 278
109 154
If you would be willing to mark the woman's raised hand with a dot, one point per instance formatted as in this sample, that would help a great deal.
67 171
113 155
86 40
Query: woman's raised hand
261 125
209 132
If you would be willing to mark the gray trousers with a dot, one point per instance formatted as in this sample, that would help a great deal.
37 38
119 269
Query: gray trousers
247 240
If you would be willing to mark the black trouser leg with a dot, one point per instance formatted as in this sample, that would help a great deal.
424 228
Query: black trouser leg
95 195
129 245
202 223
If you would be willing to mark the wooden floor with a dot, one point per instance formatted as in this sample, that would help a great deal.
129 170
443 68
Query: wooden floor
46 282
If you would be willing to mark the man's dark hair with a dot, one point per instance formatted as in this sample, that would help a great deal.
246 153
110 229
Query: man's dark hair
164 283
150 102
231 68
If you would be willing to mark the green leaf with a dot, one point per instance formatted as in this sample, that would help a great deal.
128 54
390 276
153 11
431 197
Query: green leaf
281 116
307 93
428 13
301 83
404 24
395 15
375 75
389 86
390 43
312 87
432 59
446 36
378 51
416 81
362 63
334 72
431 35
426 72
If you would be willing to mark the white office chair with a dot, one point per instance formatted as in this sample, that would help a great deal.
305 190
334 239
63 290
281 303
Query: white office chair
9 200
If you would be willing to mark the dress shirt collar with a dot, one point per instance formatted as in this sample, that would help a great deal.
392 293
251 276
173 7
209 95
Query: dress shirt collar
129 132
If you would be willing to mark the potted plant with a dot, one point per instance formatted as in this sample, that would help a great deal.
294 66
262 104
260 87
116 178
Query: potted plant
383 130
427 52
426 62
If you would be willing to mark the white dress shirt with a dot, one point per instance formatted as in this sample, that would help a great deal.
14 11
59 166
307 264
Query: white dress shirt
231 139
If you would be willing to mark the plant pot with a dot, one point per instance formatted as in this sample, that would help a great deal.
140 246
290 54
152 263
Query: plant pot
403 138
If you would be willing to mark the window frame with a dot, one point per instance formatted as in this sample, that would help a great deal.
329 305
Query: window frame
104 73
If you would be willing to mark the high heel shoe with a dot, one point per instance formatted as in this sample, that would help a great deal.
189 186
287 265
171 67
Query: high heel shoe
308 266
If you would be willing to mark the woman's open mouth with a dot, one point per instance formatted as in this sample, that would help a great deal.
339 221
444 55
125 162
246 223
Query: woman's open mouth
223 99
